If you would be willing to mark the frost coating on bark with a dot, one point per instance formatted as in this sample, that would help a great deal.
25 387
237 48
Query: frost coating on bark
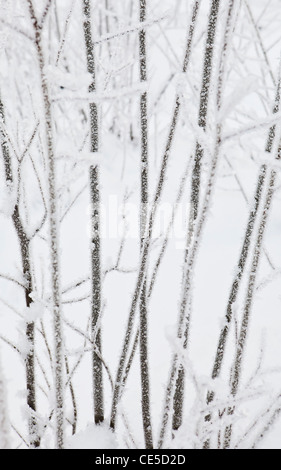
53 234
95 219
204 101
245 250
144 367
24 244
147 241
202 121
196 227
236 371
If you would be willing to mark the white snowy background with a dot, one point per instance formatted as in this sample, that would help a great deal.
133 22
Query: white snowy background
248 99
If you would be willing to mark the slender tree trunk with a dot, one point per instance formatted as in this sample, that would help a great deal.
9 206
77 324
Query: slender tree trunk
203 107
144 368
5 150
95 241
30 327
235 288
196 178
54 236
146 245
176 379
164 246
24 244
186 288
236 374
73 399
178 399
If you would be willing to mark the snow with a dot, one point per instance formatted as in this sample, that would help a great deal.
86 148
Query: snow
63 79
93 437
4 426
8 202
34 312
246 116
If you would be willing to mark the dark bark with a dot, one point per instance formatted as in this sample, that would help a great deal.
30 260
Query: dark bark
244 252
24 244
53 232
73 399
178 398
30 327
144 367
146 245
236 371
236 285
95 241
203 106
5 149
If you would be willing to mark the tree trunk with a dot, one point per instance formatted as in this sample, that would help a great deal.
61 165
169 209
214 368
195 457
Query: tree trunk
195 190
53 233
244 252
144 368
204 101
146 245
95 240
236 373
24 244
